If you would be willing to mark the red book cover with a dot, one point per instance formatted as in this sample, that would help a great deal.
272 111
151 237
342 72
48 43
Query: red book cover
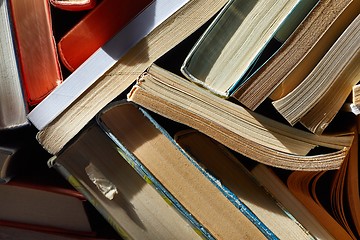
96 28
73 5
36 48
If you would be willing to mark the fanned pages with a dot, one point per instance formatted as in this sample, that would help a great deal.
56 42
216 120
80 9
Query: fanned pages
257 137
302 185
226 51
13 107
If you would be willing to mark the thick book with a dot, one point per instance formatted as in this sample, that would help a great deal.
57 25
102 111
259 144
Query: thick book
36 48
95 29
319 97
13 106
229 48
74 5
299 54
218 208
256 136
160 27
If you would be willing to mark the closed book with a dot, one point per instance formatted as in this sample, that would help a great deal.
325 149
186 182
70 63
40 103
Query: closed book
36 49
95 29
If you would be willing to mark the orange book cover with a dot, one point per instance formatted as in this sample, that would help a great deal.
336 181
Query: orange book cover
73 5
36 48
96 28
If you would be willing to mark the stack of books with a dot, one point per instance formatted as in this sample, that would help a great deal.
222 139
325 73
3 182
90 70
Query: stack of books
192 119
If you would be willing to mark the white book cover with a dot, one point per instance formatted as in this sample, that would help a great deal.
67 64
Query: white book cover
102 60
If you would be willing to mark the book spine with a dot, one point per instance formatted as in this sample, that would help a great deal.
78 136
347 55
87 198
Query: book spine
79 187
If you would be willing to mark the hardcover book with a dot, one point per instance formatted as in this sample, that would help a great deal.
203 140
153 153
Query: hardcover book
95 29
36 49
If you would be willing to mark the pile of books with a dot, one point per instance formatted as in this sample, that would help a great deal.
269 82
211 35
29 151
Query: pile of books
190 119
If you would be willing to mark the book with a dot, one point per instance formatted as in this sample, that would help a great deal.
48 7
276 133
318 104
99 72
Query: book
299 54
174 21
36 203
74 5
13 107
251 134
318 98
221 58
36 49
128 200
95 29
140 138
224 168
